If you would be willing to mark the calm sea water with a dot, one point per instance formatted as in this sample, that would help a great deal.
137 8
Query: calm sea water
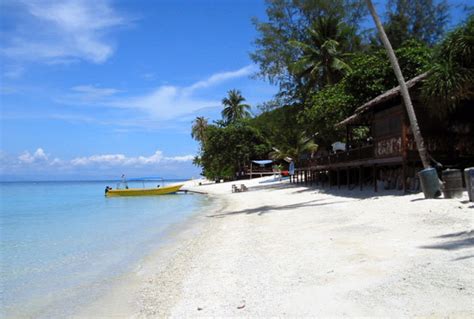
64 242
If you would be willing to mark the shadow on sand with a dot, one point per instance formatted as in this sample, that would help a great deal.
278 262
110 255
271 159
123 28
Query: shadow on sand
454 241
352 192
265 209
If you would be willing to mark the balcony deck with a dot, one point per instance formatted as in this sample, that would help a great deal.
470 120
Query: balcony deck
362 156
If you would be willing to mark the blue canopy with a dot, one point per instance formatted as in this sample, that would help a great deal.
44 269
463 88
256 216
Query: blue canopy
262 162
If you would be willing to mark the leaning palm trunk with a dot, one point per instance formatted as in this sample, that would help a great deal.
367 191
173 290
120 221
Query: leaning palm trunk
403 88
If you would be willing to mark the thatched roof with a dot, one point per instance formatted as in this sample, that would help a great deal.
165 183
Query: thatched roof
380 99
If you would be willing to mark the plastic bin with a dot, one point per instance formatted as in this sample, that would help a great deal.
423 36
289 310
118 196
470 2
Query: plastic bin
430 183
452 183
469 179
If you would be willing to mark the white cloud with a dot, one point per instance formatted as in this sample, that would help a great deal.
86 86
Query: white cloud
185 158
62 31
169 101
37 156
94 92
122 160
163 103
40 165
221 77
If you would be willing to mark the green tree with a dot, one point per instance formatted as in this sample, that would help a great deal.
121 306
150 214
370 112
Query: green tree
300 145
371 73
287 21
322 60
279 126
325 109
234 108
422 20
229 148
451 80
198 129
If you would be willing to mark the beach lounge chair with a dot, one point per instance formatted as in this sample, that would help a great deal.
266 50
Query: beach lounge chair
235 189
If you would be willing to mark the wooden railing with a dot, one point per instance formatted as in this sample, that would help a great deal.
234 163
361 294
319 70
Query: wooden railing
356 154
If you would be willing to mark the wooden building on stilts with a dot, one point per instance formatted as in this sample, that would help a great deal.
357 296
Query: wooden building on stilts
380 148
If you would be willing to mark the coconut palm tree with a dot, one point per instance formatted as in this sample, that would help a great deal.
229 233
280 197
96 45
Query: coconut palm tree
301 145
451 79
234 108
403 88
322 60
199 128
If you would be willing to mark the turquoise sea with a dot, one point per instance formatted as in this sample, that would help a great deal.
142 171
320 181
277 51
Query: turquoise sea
63 243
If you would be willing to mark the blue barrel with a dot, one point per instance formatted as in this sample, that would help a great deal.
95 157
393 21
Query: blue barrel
469 178
452 183
430 183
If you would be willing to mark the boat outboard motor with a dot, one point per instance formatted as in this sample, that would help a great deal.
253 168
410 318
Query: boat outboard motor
107 188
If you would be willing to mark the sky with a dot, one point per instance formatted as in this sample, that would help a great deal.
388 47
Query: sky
97 89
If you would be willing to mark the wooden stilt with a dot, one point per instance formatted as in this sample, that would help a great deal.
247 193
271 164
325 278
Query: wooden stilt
375 177
348 177
361 178
404 176
338 179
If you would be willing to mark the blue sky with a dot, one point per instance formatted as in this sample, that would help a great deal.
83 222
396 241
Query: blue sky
94 89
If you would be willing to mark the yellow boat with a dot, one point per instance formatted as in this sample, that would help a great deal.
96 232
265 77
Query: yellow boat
143 191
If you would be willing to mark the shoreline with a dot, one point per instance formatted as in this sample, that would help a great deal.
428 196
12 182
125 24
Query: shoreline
130 295
286 250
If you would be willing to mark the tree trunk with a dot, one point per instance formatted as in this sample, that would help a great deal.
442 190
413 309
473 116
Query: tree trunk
403 88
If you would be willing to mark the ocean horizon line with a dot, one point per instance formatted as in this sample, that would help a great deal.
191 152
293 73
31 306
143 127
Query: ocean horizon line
91 180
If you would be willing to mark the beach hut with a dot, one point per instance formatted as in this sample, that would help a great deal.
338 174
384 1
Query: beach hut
387 156
261 168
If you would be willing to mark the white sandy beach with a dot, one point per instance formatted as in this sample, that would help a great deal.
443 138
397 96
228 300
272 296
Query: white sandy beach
281 250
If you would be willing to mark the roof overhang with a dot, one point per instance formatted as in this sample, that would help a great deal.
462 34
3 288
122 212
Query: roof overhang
384 97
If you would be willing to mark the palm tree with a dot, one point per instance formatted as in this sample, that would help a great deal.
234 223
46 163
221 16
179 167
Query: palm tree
403 88
301 145
322 60
451 79
234 109
199 128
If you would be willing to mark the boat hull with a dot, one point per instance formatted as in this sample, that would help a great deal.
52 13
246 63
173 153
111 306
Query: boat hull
144 191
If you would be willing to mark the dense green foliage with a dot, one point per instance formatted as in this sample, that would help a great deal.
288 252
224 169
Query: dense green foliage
451 79
322 55
314 51
325 109
280 127
289 22
228 149
421 20
372 73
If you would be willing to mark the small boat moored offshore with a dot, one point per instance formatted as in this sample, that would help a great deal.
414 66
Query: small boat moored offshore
143 191
123 189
